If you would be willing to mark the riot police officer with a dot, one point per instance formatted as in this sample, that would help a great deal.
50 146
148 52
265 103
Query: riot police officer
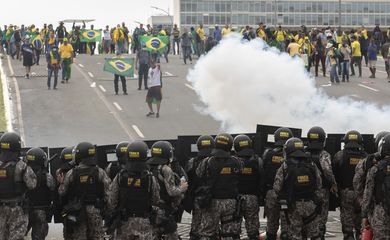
273 159
41 197
121 153
377 193
133 193
344 165
15 179
86 186
171 194
250 184
221 172
205 144
298 182
315 148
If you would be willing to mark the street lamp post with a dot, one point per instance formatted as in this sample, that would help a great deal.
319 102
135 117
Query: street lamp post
166 12
340 15
275 13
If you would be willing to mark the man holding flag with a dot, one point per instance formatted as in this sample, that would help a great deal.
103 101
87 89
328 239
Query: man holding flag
66 52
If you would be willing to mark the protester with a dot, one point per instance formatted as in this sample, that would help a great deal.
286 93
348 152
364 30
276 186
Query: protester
142 63
356 56
293 48
92 45
332 60
154 95
320 55
53 59
386 56
346 51
226 31
28 56
217 34
186 45
176 40
66 52
61 32
372 57
200 40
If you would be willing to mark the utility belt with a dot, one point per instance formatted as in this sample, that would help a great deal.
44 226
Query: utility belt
13 204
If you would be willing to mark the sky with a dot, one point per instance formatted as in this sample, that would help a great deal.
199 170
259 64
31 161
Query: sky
105 12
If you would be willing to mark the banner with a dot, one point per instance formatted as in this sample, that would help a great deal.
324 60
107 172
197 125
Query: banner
154 44
91 35
120 66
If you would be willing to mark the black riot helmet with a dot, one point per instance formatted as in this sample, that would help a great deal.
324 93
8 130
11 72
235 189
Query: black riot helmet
281 135
353 139
378 138
67 154
10 142
121 152
384 146
84 152
243 145
205 144
162 153
137 151
294 147
316 137
224 142
36 157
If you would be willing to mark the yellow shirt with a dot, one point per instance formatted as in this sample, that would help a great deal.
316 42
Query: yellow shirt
162 32
118 35
356 52
280 35
225 31
293 49
261 34
51 41
365 34
200 32
66 51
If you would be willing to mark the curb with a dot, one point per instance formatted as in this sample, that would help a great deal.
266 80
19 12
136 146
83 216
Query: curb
6 97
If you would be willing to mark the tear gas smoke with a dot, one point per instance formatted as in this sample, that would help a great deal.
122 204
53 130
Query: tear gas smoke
246 83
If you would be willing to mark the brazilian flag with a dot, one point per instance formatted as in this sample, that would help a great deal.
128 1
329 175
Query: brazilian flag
155 44
32 35
91 35
120 66
37 42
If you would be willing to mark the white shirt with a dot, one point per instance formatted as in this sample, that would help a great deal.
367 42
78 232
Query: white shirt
154 78
106 35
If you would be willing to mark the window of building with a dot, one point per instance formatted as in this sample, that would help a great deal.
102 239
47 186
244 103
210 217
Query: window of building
183 7
325 7
291 7
308 7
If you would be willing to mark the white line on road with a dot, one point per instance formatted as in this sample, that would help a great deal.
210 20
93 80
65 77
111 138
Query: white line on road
326 85
136 129
118 106
369 88
81 65
381 71
135 75
102 88
90 74
169 74
189 86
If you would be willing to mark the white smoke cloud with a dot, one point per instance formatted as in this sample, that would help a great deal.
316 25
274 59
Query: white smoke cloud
244 84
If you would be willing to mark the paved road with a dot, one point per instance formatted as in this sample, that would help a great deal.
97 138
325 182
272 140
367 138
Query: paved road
88 109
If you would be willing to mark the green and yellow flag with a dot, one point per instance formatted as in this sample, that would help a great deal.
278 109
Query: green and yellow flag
88 35
37 42
120 66
155 44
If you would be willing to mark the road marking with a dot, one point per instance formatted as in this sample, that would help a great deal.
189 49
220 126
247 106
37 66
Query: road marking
136 129
189 86
81 65
93 84
381 71
18 103
169 74
98 63
326 85
118 106
90 74
369 88
102 88
109 106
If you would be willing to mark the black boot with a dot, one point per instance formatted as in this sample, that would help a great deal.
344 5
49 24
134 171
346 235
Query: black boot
270 236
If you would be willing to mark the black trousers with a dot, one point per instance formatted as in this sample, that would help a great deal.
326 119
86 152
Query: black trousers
358 62
92 46
123 80
143 73
318 59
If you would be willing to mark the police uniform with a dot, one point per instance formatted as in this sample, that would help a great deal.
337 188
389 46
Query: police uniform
170 193
87 185
273 159
40 198
377 194
133 192
345 162
15 178
222 170
114 168
298 182
250 184
205 144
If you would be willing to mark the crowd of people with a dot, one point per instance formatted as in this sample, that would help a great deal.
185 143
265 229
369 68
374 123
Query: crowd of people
141 197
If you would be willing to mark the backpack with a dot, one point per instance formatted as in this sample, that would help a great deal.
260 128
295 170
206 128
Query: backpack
339 54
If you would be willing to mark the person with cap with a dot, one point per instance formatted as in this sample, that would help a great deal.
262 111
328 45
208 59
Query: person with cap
142 63
344 165
221 172
362 169
27 50
115 167
133 193
53 59
356 56
61 32
376 197
205 144
164 223
40 198
86 186
273 159
250 186
16 177
321 158
298 183
66 53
